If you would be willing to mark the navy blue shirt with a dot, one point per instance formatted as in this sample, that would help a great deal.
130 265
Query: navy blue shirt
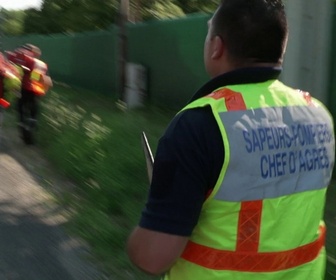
189 158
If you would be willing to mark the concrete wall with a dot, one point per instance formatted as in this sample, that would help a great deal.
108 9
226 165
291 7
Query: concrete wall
308 55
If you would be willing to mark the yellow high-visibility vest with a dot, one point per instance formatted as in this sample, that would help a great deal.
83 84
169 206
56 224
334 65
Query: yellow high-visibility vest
264 217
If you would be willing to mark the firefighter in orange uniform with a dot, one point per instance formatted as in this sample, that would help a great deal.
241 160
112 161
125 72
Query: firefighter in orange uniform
35 82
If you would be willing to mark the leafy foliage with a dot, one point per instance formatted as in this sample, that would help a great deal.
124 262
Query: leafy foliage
11 22
33 22
161 9
67 16
193 6
59 16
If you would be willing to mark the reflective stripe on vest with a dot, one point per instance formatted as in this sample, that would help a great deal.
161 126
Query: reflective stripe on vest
4 103
36 77
253 261
37 85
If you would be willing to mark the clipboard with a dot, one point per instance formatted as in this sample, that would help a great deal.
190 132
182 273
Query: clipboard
148 155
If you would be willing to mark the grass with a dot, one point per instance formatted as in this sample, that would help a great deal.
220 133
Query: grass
97 144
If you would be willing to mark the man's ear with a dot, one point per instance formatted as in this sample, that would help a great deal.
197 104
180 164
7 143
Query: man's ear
218 49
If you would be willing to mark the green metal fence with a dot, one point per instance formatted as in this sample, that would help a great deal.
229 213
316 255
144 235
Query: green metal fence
171 51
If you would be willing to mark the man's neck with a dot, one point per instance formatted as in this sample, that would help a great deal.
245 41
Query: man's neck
231 68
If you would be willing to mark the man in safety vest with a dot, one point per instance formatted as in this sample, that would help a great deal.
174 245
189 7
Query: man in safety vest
240 175
35 82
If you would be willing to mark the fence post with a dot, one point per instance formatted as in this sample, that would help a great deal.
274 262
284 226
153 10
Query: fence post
123 18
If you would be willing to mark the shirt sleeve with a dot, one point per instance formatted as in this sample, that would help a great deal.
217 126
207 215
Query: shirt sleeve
187 164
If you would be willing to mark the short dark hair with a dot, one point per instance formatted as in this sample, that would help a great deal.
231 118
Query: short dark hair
28 47
36 51
254 30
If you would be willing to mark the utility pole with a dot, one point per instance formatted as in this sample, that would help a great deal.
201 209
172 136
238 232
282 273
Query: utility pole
123 19
137 12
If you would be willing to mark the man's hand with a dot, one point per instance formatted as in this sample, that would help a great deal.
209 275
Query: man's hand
47 82
154 252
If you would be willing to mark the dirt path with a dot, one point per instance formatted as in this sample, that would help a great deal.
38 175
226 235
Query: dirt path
33 243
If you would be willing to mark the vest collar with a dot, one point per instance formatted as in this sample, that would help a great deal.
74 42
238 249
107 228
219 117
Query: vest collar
239 76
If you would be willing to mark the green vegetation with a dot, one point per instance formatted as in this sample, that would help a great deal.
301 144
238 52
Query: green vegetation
98 146
59 16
